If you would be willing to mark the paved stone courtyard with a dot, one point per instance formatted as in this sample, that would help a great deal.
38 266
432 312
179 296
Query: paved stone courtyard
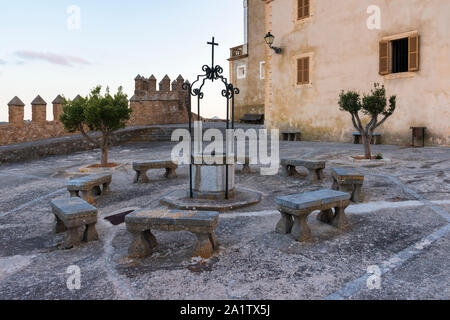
402 227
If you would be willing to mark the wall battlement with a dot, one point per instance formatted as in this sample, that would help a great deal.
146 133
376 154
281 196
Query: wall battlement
168 105
164 106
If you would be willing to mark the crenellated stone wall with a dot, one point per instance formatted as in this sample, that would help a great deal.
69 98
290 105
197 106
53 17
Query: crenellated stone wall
164 106
17 130
150 106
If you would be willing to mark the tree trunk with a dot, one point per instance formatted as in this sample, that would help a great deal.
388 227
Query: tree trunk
366 142
104 151
104 157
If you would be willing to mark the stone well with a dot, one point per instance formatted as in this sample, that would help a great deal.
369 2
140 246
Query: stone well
209 176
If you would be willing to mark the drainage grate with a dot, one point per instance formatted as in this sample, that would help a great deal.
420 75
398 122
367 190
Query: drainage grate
118 218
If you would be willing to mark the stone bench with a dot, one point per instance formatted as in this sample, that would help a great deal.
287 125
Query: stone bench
357 139
201 223
253 118
291 136
350 181
142 167
90 186
71 215
315 168
296 208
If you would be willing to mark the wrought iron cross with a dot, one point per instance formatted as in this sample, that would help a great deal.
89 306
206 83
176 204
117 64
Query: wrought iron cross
213 44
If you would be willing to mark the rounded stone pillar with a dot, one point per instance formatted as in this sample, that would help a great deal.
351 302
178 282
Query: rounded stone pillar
57 107
16 111
38 110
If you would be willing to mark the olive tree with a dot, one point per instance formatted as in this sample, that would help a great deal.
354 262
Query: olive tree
96 112
373 105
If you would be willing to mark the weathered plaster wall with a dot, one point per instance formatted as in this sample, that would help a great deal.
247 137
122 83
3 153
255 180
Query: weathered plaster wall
344 55
252 86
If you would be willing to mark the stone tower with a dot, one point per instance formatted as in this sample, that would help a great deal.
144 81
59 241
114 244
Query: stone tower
16 109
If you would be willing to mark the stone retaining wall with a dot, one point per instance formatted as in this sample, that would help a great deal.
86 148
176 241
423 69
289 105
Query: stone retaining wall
75 143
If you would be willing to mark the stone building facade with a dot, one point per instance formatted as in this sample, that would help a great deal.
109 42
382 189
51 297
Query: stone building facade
329 46
247 62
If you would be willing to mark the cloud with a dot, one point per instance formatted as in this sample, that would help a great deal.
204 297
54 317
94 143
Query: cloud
58 59
2 61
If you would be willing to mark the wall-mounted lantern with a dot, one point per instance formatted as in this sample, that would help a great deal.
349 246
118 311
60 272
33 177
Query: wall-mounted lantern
269 38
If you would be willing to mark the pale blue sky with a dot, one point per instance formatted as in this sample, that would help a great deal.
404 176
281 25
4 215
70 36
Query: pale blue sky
117 40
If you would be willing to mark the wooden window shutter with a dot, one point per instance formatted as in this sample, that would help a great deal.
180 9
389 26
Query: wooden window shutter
384 57
413 53
305 8
299 71
303 70
300 9
306 70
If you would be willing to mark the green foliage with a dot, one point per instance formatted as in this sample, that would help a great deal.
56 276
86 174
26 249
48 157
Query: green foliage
104 113
373 105
349 101
73 114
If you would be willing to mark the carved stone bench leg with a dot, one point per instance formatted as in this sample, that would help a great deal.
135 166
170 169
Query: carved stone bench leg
140 247
339 220
105 189
204 247
300 230
314 175
246 168
171 173
59 226
151 239
326 216
284 226
335 185
72 238
73 193
357 196
96 191
90 234
289 171
213 239
87 196
141 176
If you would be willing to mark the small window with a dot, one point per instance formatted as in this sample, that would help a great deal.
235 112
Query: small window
262 70
241 72
303 70
399 55
303 9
